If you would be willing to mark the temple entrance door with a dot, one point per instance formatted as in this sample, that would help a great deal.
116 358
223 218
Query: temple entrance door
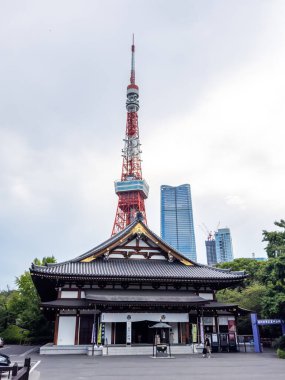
120 332
85 332
141 333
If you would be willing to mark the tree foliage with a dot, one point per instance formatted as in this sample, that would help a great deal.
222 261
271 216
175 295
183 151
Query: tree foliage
275 240
20 315
252 267
264 292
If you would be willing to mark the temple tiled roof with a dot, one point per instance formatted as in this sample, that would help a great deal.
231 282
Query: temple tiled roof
136 269
97 265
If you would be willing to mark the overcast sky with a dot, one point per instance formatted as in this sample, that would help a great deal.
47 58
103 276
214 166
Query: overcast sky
212 85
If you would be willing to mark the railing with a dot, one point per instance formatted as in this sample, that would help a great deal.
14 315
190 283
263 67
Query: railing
245 343
18 373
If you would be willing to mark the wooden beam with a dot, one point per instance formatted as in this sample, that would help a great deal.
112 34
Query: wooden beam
76 336
56 329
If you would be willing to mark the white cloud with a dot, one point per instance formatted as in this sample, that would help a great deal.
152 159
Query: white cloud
212 114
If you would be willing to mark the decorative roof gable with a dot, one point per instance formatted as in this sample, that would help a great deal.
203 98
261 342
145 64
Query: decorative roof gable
136 241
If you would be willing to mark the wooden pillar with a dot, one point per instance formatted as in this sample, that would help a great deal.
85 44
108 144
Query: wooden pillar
187 334
113 336
198 326
216 324
179 332
76 337
56 329
236 324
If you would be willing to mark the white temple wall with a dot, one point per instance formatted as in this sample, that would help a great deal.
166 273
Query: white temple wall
69 294
66 330
108 332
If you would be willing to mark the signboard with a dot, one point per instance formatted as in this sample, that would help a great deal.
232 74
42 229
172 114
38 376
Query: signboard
269 322
129 332
137 317
232 325
223 321
215 338
209 321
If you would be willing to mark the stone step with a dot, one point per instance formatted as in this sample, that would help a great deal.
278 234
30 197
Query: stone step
144 350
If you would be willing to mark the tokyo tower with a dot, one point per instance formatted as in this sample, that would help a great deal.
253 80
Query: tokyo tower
132 189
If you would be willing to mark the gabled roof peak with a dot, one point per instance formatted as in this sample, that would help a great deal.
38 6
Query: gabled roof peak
137 229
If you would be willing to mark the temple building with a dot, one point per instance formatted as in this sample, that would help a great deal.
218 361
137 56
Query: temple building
126 284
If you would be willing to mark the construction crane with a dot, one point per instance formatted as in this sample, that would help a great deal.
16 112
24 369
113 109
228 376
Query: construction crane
207 232
210 234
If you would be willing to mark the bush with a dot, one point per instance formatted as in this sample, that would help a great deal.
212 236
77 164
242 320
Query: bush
281 353
15 334
280 343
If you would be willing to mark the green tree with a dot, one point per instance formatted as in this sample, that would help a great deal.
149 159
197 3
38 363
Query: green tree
31 318
264 290
21 308
252 267
274 303
250 298
273 277
273 272
6 314
275 240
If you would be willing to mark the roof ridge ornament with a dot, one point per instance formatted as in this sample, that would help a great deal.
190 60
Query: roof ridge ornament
139 216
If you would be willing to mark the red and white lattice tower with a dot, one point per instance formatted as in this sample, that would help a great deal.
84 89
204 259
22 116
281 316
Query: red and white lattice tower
132 189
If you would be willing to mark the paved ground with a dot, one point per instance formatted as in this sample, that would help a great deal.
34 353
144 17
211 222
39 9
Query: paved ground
233 366
17 350
223 366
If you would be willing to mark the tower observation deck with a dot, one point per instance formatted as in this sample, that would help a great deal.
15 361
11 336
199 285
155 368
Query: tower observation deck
132 189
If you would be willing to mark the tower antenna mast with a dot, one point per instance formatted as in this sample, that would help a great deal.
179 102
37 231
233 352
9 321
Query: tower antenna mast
132 189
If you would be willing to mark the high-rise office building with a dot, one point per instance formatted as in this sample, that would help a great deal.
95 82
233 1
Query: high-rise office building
211 252
224 248
177 227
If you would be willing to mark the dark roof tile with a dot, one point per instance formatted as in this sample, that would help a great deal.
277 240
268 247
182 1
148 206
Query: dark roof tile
136 268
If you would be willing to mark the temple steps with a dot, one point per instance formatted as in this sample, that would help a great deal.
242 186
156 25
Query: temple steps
144 350
112 350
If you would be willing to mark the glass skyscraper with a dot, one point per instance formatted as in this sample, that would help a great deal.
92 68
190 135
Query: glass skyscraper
224 248
176 219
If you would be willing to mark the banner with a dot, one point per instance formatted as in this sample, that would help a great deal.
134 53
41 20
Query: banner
232 326
129 332
93 335
99 338
194 333
202 335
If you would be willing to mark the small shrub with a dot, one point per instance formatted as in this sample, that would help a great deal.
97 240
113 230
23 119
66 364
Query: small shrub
15 334
281 353
280 343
